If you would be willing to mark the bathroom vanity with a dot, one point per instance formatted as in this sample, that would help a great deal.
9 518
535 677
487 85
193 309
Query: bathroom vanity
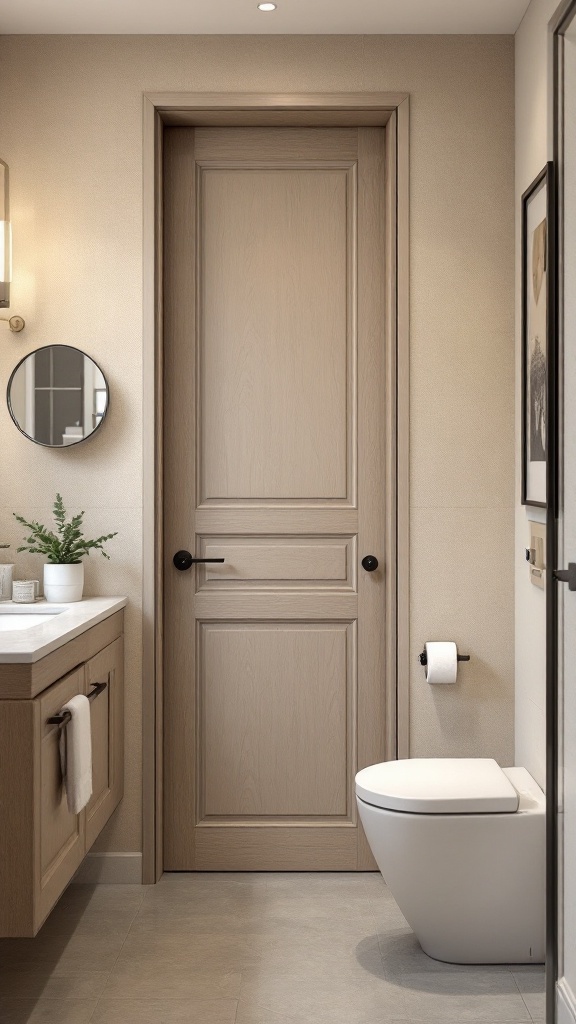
68 650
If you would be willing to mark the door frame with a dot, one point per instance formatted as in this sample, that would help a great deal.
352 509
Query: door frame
555 988
387 110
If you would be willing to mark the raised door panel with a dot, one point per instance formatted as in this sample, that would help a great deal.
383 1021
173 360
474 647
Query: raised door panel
276 256
276 731
107 726
276 848
60 847
286 562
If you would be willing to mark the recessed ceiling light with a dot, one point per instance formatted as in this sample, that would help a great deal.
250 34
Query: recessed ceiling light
266 7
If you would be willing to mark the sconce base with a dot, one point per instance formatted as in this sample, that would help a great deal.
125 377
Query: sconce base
4 294
15 323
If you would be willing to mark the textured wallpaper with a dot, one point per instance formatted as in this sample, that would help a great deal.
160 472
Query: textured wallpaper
71 131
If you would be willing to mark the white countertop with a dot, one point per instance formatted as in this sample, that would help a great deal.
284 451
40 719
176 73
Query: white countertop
35 642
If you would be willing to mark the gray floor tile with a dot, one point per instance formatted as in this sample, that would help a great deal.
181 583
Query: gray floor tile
250 1014
203 920
324 991
47 1011
76 953
165 1011
196 915
461 996
34 984
320 955
219 951
186 902
60 930
531 982
99 897
258 1015
203 887
321 896
389 920
169 981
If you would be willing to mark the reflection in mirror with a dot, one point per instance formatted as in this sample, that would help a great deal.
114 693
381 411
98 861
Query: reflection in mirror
57 396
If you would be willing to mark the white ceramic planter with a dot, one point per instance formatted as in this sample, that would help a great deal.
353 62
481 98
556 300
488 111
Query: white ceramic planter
63 582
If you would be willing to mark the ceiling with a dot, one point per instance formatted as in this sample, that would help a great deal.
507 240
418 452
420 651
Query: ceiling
230 17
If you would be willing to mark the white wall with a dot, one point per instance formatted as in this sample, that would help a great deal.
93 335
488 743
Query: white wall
531 155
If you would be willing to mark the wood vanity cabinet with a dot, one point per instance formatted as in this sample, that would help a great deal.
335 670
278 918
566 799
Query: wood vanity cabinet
41 843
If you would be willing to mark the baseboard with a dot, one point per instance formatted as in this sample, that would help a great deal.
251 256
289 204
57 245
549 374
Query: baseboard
110 869
565 1003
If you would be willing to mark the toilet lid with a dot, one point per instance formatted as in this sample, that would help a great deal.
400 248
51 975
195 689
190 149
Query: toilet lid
438 785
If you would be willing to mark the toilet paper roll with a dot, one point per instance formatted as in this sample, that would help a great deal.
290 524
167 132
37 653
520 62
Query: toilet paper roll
442 658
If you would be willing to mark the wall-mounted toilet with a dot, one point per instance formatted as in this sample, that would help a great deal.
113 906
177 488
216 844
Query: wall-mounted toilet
461 844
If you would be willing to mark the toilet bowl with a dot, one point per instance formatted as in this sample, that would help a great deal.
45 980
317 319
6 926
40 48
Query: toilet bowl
461 844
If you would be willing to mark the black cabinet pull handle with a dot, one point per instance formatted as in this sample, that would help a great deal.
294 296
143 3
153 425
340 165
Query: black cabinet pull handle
63 717
96 689
184 560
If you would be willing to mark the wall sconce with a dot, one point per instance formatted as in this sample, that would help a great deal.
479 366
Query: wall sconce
15 323
5 237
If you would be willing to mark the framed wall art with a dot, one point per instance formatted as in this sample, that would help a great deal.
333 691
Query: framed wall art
537 292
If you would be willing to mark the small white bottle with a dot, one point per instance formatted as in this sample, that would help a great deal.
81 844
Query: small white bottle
6 576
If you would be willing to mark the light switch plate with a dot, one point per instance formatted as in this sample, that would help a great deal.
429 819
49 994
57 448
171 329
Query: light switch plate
537 567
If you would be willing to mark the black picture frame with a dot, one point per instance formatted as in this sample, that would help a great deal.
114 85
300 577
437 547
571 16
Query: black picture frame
537 348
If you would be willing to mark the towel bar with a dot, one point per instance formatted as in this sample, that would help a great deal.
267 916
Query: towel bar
63 717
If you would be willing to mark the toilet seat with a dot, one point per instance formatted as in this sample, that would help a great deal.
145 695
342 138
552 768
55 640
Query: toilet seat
467 785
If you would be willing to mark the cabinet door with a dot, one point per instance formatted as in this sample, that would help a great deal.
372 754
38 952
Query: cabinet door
60 845
107 718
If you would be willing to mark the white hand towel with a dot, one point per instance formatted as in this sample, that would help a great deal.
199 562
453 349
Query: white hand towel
76 754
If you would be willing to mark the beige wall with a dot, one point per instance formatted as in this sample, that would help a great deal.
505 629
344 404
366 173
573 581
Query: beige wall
531 154
71 130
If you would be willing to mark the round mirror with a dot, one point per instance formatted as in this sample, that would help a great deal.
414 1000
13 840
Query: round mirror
57 396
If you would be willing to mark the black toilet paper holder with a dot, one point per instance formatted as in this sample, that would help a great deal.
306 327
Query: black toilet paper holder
423 658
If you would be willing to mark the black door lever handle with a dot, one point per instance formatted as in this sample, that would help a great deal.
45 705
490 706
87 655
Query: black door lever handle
567 575
184 560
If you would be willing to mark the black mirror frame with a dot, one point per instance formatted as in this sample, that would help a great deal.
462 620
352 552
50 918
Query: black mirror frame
56 447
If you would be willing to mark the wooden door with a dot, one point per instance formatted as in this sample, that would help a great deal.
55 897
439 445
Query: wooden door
274 305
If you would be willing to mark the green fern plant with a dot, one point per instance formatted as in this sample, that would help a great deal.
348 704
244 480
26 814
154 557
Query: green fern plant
67 546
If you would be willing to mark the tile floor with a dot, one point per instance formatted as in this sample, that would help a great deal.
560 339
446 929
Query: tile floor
247 949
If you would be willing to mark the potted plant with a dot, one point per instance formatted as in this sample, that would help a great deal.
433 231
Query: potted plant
64 551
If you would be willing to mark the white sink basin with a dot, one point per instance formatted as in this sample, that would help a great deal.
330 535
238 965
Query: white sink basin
28 632
24 617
